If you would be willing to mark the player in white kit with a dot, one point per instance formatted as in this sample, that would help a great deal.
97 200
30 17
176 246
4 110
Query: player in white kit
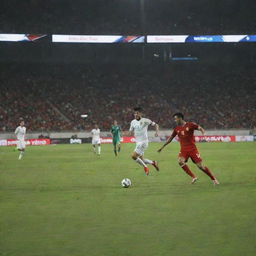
20 133
139 126
96 139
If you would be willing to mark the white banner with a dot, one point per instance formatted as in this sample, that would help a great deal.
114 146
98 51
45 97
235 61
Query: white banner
13 37
245 138
166 39
20 37
84 39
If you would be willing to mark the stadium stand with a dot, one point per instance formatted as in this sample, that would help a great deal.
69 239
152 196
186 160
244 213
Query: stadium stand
54 99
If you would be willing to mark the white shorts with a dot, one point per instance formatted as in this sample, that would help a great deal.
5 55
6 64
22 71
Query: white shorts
21 144
141 147
96 142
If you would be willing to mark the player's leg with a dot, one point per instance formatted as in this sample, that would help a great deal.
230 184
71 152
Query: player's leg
205 169
119 146
114 144
94 147
182 159
99 149
196 158
21 148
143 147
152 162
137 157
22 151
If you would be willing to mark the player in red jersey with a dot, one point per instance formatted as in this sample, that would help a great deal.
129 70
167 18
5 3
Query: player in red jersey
185 132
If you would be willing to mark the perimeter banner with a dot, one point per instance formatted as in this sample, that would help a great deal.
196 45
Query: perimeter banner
97 39
200 38
207 138
108 140
20 37
215 138
30 142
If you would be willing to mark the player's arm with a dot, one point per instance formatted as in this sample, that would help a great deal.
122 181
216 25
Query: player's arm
157 129
201 129
130 132
120 131
156 126
195 126
16 131
169 140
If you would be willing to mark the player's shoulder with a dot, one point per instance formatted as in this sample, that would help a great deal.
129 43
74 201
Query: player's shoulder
146 120
176 127
192 124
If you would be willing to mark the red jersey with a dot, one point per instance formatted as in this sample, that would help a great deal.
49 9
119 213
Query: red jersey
186 135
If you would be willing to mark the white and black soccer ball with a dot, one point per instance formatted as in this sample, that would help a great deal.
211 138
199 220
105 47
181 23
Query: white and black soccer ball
126 183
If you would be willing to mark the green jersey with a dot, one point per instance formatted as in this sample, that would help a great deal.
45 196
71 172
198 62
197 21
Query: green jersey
116 130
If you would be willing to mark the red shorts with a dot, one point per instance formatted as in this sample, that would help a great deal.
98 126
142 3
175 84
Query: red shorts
193 154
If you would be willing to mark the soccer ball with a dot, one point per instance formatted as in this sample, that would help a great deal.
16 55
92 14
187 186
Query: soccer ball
126 183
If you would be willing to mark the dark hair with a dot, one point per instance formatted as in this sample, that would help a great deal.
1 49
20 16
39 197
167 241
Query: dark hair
139 109
179 115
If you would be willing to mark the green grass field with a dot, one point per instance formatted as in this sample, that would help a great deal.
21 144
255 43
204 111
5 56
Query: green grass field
65 201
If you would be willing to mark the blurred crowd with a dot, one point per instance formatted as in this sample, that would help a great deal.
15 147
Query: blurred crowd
53 98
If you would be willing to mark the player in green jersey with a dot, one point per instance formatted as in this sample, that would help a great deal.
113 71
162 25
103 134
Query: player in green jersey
116 137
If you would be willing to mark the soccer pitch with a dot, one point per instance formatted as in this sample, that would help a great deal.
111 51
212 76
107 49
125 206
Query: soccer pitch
65 201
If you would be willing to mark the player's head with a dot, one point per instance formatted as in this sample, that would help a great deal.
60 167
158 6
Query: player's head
96 126
137 113
178 118
115 122
21 122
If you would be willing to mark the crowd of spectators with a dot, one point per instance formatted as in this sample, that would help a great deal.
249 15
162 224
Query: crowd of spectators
52 98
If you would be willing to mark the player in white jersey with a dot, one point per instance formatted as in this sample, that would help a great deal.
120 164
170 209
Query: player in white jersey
96 139
20 133
139 126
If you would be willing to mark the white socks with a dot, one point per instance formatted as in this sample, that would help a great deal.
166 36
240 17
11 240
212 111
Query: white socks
140 161
21 154
99 149
147 161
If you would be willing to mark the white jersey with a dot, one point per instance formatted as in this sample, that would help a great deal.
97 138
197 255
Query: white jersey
95 134
140 129
20 132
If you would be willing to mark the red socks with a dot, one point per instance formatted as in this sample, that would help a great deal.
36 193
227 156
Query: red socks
187 170
191 174
208 172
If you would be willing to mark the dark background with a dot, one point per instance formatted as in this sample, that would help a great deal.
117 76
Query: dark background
217 90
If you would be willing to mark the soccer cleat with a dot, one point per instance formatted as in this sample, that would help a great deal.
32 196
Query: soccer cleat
146 170
215 182
155 164
194 180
